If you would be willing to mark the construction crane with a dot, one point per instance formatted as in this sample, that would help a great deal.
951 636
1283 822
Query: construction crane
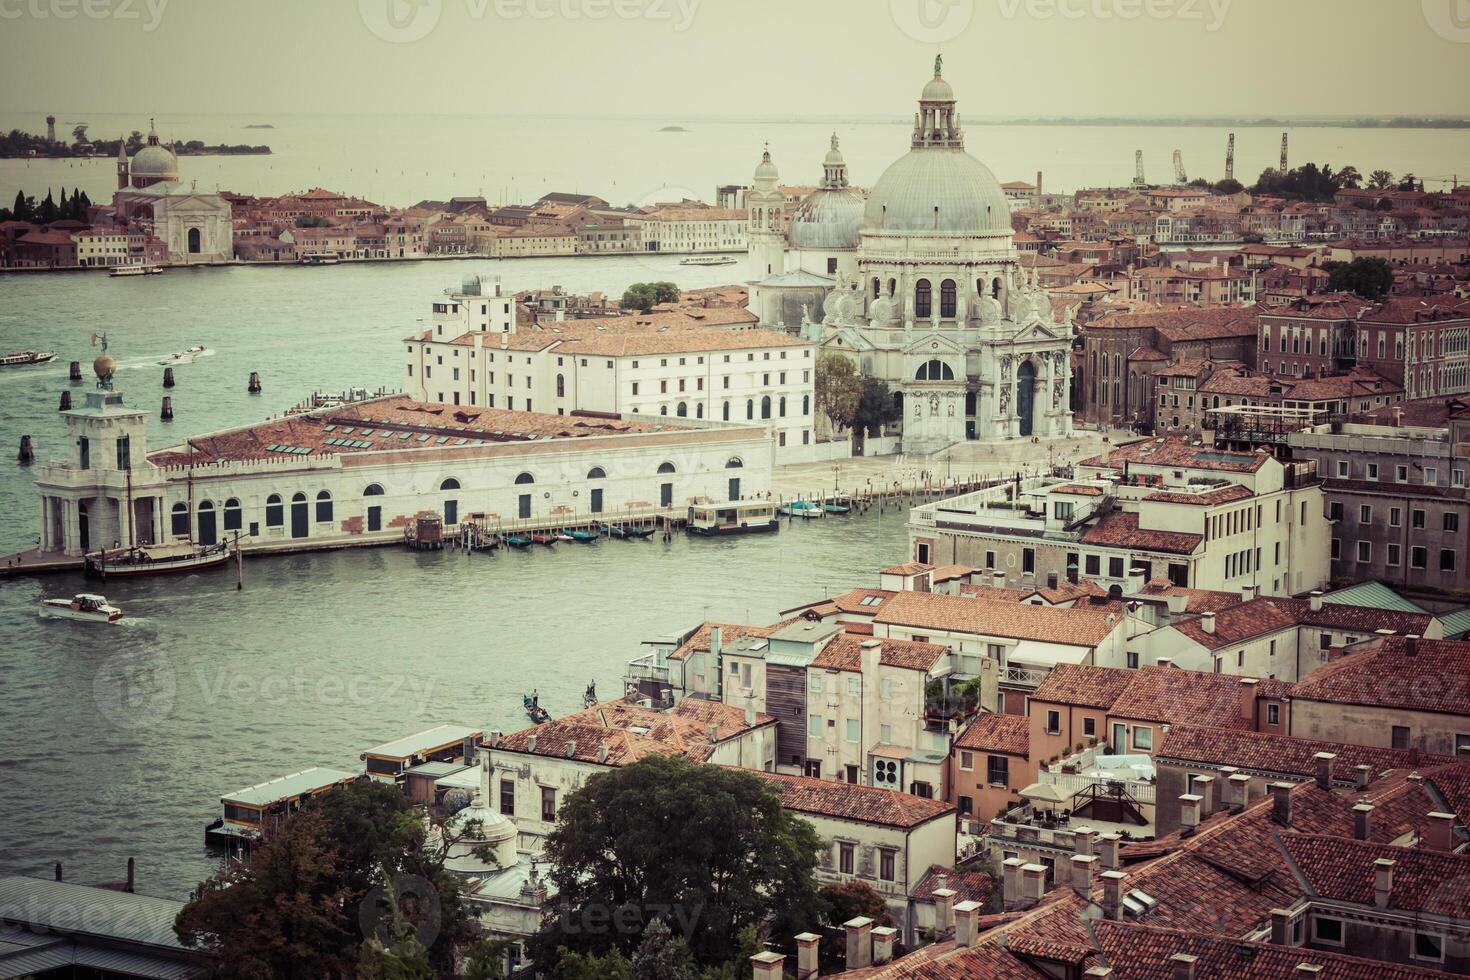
1138 180
1180 177
1230 158
1452 179
1283 153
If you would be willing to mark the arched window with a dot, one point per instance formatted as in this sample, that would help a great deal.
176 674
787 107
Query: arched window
298 498
806 404
663 410
665 467
892 287
934 370
765 406
232 514
179 523
525 478
781 407
561 386
923 300
725 411
373 490
323 506
699 410
597 473
194 242
682 410
734 463
275 514
750 408
450 484
877 287
947 298
995 288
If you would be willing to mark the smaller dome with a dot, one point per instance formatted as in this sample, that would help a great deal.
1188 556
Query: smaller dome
766 168
834 155
828 219
154 161
938 90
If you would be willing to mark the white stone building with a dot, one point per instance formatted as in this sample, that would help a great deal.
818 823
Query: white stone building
197 227
701 365
940 307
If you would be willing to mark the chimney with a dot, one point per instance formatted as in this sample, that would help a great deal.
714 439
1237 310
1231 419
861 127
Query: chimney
1439 836
1134 582
750 711
1083 866
1247 592
531 744
1281 803
1240 789
714 733
1362 821
1010 882
493 741
998 579
571 748
1169 661
1281 927
1247 687
468 750
1082 840
883 937
859 944
807 947
966 923
1033 883
1183 966
714 646
1315 601
602 753
1306 970
1204 788
943 911
1098 973
1189 805
1113 895
1324 769
1178 603
1362 775
1382 882
1107 851
1051 579
767 966
1207 622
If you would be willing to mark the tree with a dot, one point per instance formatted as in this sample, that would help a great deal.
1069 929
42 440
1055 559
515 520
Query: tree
1380 180
1350 177
1408 182
48 209
708 850
1370 278
1228 185
79 133
587 966
1307 182
656 957
852 899
296 908
644 296
312 221
875 407
837 388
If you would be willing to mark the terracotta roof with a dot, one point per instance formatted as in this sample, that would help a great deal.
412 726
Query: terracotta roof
947 961
846 801
1434 677
1199 600
1285 755
1342 869
698 641
1142 952
844 652
907 568
968 886
1220 495
631 733
1193 323
1079 490
996 732
1176 451
1086 626
1070 592
1171 695
851 601
1083 685
1121 530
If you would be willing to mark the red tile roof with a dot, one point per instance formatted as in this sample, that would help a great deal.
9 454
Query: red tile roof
1269 614
845 801
699 640
1121 530
1170 695
630 733
844 652
1342 869
1176 451
1083 685
995 732
1435 677
1282 755
1221 495
1084 626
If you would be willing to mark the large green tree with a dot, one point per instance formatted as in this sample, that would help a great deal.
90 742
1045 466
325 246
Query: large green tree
644 296
875 407
346 887
707 849
1370 278
838 388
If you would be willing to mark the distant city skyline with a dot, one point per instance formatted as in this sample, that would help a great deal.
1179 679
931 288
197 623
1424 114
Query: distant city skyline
720 58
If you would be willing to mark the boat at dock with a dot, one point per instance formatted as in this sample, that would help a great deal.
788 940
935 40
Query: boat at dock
626 531
251 813
709 260
541 537
574 535
158 559
733 517
320 258
835 508
124 271
532 703
86 607
21 358
516 541
802 508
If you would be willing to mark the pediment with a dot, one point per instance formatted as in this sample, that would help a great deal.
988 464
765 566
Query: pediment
1034 332
932 344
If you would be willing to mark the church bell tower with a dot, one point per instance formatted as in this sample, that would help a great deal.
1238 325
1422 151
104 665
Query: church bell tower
766 236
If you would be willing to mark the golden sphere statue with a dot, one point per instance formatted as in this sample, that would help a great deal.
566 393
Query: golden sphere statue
104 366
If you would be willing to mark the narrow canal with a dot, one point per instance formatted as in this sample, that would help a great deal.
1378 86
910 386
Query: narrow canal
118 741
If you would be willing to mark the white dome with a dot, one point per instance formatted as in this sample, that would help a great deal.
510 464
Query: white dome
154 161
938 90
965 193
766 169
827 219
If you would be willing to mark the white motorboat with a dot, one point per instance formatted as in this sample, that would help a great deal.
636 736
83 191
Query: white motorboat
123 271
85 606
185 356
709 260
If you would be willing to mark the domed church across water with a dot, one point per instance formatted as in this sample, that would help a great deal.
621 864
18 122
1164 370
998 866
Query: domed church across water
932 299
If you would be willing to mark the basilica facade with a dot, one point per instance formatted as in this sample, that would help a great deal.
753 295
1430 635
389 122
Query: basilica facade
196 226
924 291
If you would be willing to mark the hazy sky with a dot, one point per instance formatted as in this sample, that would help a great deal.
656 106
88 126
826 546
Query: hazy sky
822 58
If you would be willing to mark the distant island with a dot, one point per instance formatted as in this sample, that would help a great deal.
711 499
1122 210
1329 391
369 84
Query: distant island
673 129
260 126
1396 122
17 144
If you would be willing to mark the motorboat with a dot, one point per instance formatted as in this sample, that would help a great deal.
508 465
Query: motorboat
21 358
185 356
156 559
732 517
87 607
802 508
123 271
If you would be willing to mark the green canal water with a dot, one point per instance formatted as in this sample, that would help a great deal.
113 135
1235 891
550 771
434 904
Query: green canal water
118 741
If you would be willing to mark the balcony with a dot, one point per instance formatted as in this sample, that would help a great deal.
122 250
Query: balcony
1022 676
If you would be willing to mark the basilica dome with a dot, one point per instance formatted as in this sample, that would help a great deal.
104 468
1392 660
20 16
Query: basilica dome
831 216
937 188
154 161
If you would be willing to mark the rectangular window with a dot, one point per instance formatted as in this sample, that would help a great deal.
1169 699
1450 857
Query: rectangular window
852 730
1428 947
1028 561
885 856
548 803
813 681
1365 552
1418 557
1089 727
998 770
1400 737
1053 722
508 797
1395 517
1451 520
885 734
1273 714
1365 514
1092 564
1446 559
1327 931
844 858
1143 738
967 761
1115 567
1393 555
814 726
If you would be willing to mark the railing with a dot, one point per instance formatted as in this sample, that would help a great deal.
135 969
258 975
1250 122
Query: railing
645 668
1021 832
1025 676
1073 783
